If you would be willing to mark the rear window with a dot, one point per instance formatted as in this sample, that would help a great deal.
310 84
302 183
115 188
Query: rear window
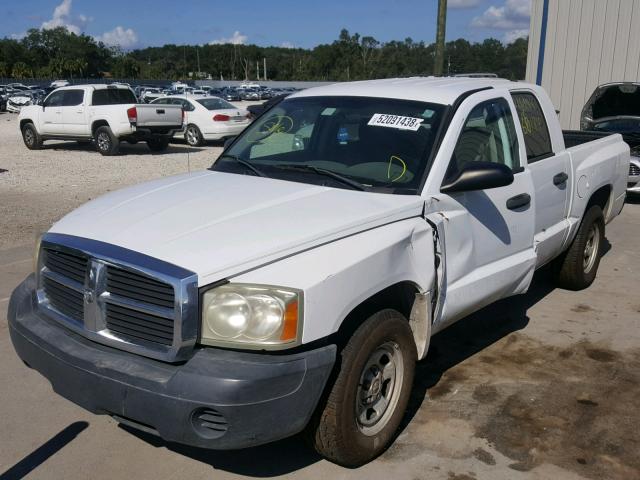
215 104
534 126
113 96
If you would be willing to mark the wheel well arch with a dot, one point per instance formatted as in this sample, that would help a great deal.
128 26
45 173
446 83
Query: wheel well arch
25 121
601 197
399 296
97 124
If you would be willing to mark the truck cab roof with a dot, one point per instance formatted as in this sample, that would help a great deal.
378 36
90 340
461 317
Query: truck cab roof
443 90
96 86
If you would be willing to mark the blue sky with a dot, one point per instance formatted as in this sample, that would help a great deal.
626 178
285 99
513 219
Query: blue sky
302 23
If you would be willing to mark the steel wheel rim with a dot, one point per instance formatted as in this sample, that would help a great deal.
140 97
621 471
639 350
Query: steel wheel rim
28 136
192 136
591 248
379 388
104 142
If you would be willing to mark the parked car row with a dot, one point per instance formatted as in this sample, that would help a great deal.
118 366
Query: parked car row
14 96
248 92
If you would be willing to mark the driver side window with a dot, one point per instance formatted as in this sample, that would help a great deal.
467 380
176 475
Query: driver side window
488 135
54 100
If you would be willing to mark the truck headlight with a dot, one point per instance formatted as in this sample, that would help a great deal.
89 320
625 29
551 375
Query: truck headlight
251 316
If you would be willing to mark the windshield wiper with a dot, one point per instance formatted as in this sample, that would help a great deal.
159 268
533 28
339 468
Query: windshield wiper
243 163
321 171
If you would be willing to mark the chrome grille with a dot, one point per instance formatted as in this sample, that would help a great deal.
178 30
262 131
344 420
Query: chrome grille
139 307
634 170
66 264
134 325
139 288
118 297
66 300
63 282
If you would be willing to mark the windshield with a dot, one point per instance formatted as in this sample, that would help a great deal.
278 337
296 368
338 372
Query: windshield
215 104
377 142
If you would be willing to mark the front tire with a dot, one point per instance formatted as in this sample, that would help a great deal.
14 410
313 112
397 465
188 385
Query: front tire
368 400
193 136
107 143
31 138
577 268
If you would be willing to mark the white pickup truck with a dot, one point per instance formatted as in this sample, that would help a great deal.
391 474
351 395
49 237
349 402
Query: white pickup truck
295 284
105 114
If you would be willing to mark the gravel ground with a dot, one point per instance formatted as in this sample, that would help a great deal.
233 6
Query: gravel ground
39 187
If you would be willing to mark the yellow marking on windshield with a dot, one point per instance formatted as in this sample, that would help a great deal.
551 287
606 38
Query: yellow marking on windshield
404 168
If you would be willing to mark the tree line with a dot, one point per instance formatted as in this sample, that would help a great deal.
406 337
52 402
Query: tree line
58 53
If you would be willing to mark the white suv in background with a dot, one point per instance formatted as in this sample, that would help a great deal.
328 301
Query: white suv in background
207 118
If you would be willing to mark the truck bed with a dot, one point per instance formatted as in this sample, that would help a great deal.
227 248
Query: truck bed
573 138
597 160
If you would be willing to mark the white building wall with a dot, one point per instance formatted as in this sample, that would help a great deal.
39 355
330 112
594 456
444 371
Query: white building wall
587 43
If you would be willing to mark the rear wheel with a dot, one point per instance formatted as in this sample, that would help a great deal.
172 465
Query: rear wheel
193 136
577 268
369 397
157 145
106 142
31 138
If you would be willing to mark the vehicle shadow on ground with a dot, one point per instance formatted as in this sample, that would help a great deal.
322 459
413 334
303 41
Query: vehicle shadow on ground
633 199
271 460
475 333
139 148
43 452
207 143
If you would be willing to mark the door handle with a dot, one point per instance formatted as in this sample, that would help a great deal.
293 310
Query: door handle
519 201
560 178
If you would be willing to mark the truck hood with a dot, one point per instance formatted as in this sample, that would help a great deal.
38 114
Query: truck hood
221 224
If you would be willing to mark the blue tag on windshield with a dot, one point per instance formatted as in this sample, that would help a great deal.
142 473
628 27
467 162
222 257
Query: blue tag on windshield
343 135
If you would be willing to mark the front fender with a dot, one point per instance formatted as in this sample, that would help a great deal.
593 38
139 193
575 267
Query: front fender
339 276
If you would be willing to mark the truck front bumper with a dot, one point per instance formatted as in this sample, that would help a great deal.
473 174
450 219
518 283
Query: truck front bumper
218 399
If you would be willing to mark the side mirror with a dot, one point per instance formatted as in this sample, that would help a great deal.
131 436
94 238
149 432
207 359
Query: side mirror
479 176
228 142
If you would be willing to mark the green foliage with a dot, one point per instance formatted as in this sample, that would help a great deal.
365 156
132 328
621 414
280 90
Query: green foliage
21 71
61 54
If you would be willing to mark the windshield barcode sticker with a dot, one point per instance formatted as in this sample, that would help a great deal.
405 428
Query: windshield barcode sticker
395 121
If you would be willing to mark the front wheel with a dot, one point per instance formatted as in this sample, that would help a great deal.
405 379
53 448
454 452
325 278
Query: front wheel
30 137
369 397
577 268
